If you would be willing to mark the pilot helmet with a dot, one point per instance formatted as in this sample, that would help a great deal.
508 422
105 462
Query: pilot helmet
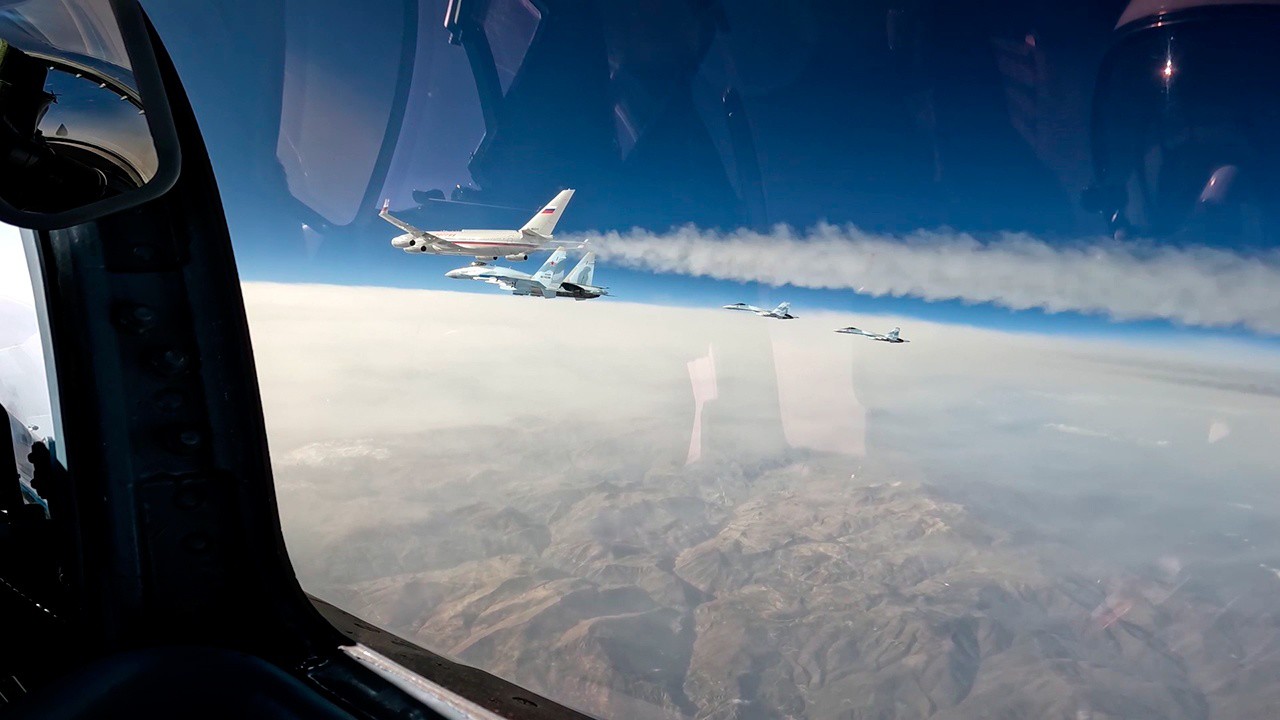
1182 104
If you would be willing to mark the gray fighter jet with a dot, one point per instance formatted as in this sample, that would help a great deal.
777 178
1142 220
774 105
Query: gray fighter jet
577 284
782 312
549 282
543 283
889 337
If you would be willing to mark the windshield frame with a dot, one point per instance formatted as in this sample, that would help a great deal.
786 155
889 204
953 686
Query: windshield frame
138 36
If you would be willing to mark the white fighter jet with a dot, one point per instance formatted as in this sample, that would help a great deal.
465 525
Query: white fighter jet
889 337
577 284
782 312
550 281
483 245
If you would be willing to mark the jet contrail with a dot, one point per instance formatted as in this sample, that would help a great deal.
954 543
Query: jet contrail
1125 280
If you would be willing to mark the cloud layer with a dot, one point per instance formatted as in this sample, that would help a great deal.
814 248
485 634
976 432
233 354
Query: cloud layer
345 370
1126 281
504 480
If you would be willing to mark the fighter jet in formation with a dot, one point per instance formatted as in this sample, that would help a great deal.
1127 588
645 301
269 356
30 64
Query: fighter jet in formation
782 312
483 245
889 337
549 282
577 284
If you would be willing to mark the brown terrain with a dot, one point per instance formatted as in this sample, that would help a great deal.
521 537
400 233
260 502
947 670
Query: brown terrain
785 585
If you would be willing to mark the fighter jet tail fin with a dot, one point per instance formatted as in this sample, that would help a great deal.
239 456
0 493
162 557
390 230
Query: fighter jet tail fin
893 334
545 221
782 309
551 274
584 271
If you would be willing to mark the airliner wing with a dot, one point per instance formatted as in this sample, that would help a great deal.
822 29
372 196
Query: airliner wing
434 241
440 243
385 214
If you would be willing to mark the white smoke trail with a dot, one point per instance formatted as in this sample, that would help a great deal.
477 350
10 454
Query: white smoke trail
1126 281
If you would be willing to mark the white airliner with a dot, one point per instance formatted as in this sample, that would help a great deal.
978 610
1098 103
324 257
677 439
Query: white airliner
550 281
782 312
889 337
483 245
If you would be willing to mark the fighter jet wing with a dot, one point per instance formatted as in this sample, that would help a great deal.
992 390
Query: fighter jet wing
505 283
858 331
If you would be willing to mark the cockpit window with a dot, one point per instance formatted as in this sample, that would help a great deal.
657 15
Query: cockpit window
24 380
85 32
509 26
704 358
1183 133
335 112
68 88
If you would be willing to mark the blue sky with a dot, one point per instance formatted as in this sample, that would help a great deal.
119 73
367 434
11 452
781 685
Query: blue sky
872 174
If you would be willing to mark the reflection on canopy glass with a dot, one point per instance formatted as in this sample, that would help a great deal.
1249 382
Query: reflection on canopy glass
73 124
990 433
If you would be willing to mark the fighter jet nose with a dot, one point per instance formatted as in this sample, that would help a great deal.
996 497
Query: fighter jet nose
453 274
